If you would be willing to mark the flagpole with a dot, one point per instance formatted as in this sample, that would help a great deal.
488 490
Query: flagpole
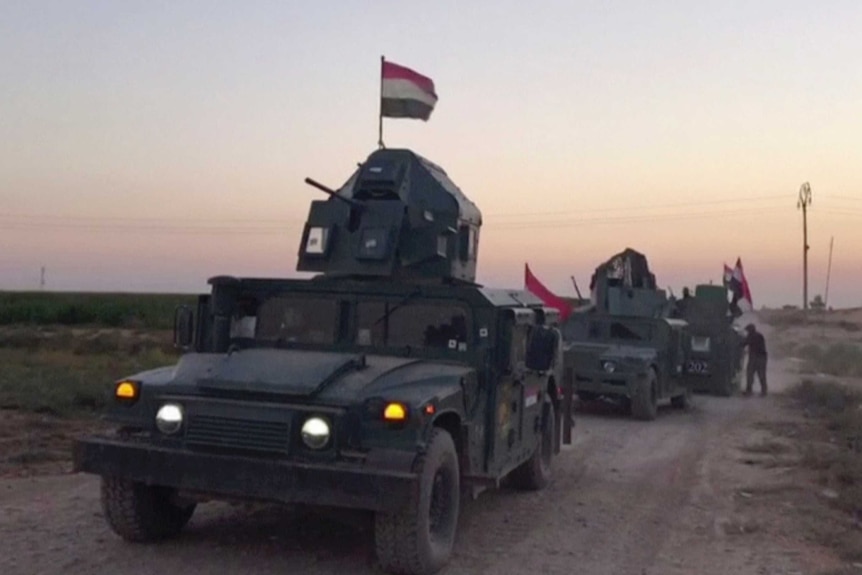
380 114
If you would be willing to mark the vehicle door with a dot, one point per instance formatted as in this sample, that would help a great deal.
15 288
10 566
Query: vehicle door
510 397
678 335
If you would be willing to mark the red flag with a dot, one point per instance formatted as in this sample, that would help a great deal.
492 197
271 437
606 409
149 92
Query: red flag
534 286
745 292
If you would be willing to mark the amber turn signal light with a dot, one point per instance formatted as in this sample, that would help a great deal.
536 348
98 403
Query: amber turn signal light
395 412
126 391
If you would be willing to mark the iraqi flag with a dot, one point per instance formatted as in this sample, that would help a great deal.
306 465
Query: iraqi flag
737 283
405 93
534 286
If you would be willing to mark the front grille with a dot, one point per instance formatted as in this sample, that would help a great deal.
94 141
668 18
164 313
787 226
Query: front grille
238 434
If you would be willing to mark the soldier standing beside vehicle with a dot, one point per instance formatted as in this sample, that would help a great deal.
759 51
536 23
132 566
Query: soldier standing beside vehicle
756 344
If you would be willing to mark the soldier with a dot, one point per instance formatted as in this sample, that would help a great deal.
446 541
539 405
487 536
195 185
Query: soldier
756 344
680 306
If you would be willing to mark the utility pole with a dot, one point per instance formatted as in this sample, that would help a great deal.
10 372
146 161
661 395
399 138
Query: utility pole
42 279
828 274
803 202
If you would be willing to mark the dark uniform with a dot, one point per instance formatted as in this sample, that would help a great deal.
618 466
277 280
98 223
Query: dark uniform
757 356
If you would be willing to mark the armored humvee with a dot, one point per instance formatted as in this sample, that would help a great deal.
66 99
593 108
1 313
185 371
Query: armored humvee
625 346
390 382
714 347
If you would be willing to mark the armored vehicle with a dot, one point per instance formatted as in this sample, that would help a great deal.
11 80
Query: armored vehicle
714 347
625 346
390 382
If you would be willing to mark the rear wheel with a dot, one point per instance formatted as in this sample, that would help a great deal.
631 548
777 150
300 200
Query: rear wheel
418 540
645 399
727 386
535 473
142 513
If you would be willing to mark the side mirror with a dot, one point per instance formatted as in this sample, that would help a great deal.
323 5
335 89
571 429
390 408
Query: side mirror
184 322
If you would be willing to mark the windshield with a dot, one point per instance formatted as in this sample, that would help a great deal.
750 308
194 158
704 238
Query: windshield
310 320
624 331
414 324
288 319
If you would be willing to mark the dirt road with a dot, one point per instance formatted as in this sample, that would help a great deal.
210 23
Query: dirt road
628 497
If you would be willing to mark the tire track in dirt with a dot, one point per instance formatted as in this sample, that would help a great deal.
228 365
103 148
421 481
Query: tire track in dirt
613 501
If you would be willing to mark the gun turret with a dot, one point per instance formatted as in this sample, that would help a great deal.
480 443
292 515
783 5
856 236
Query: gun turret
398 216
624 285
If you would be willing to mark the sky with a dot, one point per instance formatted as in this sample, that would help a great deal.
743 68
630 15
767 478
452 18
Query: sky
149 145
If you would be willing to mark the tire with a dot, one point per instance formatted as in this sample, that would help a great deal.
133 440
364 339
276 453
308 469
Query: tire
727 386
681 401
645 400
142 513
535 473
418 540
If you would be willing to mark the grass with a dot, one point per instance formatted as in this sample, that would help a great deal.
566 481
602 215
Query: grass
64 383
152 311
838 409
796 317
60 354
840 359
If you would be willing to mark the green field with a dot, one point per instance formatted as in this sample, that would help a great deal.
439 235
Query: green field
149 311
61 351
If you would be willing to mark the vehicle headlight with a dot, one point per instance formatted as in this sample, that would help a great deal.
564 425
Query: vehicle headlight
609 366
169 418
315 432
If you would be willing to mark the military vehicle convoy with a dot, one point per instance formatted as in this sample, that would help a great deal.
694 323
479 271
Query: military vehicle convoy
389 382
625 346
714 349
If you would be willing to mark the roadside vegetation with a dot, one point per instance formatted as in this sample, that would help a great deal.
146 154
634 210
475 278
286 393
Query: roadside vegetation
67 371
60 354
151 311
838 359
832 449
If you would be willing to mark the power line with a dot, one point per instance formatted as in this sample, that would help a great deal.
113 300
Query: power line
270 226
626 219
284 227
642 208
839 197
279 221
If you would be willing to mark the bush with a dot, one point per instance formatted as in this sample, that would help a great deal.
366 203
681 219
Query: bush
839 359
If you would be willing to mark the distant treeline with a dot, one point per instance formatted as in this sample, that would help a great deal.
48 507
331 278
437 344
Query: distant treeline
152 311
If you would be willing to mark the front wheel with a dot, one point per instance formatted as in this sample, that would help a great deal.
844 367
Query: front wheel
645 400
418 540
535 473
142 513
681 401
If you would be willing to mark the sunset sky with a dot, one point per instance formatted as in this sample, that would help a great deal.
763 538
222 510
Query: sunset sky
149 145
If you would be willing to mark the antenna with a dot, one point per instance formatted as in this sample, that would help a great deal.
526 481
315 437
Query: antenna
577 291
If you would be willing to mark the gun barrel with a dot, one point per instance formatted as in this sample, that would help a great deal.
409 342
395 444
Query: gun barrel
331 192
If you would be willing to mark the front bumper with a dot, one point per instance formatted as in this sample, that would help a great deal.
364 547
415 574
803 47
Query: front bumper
603 383
378 485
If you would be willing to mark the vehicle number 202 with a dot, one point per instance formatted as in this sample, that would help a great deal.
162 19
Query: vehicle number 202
698 367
